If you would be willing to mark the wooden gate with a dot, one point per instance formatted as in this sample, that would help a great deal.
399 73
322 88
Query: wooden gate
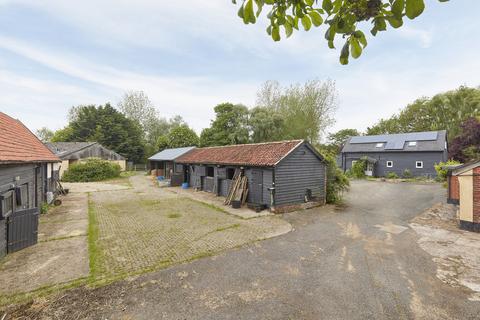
22 229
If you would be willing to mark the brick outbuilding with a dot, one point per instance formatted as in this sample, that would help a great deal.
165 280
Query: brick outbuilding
468 177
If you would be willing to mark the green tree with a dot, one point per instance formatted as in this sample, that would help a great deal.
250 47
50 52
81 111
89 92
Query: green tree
162 143
182 136
229 127
109 127
307 110
64 134
342 18
44 134
444 111
266 124
339 138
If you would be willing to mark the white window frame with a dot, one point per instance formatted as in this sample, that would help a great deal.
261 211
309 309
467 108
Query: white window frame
379 145
389 162
417 166
412 143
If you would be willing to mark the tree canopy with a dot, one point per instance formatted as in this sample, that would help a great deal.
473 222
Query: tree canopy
44 134
182 136
137 106
466 146
228 127
339 138
444 111
107 126
342 18
307 109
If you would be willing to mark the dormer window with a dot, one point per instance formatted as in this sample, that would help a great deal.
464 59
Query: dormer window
412 143
379 145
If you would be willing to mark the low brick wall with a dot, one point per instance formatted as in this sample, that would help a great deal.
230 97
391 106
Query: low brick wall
453 190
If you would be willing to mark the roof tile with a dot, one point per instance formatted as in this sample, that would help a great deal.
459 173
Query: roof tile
259 154
18 144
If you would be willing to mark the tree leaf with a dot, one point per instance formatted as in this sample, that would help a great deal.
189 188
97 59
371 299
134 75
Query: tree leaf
394 22
414 8
344 53
327 5
355 47
307 23
248 14
397 7
288 29
276 33
316 18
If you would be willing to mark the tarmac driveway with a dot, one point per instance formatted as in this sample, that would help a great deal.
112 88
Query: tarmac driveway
362 262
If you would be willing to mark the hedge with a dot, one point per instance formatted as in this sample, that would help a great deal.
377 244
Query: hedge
92 169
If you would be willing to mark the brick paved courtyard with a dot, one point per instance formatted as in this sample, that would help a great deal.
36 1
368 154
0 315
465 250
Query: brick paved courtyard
145 228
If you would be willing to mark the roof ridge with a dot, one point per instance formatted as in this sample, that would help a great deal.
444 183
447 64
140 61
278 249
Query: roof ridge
254 144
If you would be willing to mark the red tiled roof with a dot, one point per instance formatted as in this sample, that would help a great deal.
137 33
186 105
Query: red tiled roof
259 154
18 144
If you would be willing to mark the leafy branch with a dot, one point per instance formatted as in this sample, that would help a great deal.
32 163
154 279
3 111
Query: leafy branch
340 16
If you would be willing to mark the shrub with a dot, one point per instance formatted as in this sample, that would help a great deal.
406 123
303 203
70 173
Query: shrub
407 174
358 169
92 169
391 175
337 181
442 170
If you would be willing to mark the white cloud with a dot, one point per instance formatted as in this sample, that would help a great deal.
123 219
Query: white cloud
423 37
191 97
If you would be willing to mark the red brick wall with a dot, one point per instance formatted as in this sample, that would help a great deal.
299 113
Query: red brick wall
476 195
454 188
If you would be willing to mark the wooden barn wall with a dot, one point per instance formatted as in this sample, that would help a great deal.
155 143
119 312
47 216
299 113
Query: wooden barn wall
26 174
95 151
299 171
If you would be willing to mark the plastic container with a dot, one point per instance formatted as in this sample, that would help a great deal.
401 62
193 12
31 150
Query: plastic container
185 185
236 204
160 178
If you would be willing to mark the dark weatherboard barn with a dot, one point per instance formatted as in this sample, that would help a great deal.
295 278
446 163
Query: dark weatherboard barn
416 152
72 152
281 175
27 173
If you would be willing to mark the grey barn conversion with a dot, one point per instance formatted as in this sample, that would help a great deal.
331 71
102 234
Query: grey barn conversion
282 176
405 153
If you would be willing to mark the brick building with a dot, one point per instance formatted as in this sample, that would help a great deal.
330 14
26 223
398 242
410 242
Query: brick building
468 179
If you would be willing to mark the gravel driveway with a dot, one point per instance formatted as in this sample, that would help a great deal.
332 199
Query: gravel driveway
362 262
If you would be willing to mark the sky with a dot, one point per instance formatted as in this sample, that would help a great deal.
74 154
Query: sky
189 56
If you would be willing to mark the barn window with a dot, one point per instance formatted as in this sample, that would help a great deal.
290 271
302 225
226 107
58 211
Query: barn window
389 164
210 171
6 203
379 145
419 164
22 196
230 173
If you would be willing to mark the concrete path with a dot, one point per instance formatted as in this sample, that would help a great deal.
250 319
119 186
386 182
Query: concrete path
76 187
61 254
360 263
209 198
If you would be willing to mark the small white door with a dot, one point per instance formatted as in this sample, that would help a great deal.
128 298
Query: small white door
369 171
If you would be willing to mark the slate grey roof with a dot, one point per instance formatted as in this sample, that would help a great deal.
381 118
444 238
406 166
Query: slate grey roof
426 141
170 154
62 149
